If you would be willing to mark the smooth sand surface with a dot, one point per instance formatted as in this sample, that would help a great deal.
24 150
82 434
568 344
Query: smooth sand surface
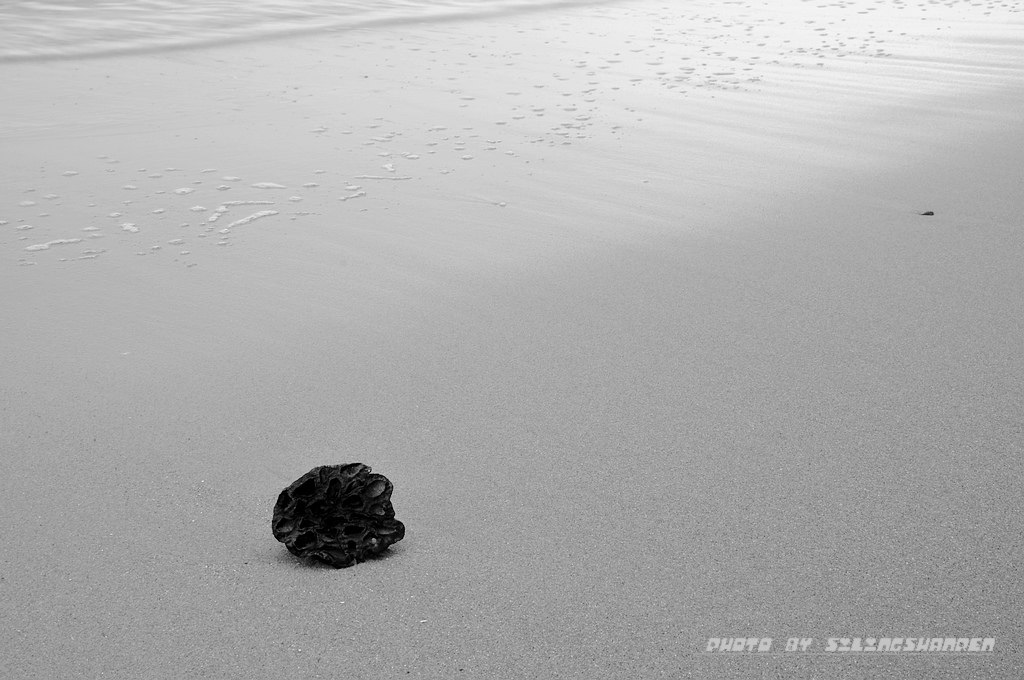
632 303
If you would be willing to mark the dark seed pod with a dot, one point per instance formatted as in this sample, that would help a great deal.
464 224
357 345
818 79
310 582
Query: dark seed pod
338 514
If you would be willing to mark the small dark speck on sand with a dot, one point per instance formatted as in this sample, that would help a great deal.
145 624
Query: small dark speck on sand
927 212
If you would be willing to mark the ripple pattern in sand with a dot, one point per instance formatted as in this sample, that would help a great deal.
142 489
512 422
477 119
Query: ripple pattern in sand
606 72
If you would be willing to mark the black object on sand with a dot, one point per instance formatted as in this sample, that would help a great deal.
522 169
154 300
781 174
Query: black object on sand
338 514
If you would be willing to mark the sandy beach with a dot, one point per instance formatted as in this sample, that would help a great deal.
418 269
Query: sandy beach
635 304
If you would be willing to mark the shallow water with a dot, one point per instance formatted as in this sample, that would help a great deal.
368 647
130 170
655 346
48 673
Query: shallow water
69 28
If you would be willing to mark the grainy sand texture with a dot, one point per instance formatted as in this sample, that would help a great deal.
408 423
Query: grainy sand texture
633 302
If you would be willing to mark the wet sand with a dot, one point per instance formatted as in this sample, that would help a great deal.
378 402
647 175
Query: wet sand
636 308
